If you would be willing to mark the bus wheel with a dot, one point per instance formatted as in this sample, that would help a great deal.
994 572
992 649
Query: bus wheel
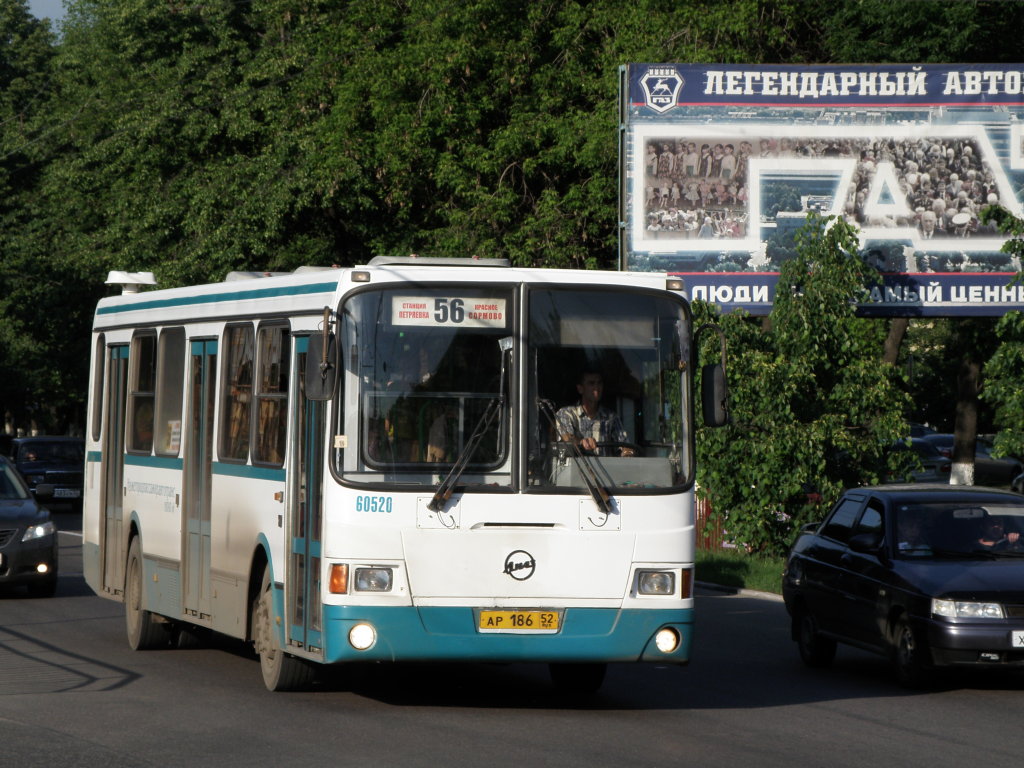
144 631
578 679
281 671
185 637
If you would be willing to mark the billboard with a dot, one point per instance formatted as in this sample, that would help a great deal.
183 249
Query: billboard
721 164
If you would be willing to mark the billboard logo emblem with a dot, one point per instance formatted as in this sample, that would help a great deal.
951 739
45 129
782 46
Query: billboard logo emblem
661 88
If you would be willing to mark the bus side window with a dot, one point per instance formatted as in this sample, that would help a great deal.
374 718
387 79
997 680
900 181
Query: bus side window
142 392
272 395
170 371
239 343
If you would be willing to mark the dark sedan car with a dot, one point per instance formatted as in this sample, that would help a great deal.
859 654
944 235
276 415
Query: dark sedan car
988 470
55 461
928 575
935 468
28 537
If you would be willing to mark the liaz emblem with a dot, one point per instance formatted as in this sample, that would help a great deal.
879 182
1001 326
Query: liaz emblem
520 565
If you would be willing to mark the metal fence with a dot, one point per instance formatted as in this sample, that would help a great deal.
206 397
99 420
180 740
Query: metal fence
709 526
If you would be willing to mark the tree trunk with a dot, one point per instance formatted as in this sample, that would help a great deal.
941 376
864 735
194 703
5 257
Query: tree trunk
897 330
965 431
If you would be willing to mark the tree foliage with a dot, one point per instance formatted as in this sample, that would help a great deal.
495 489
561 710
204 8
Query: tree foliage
1004 371
813 409
193 138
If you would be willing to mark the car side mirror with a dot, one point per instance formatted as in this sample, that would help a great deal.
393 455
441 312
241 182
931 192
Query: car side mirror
866 543
43 492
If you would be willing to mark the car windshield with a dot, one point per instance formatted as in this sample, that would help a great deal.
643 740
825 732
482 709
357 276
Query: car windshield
66 451
958 529
11 486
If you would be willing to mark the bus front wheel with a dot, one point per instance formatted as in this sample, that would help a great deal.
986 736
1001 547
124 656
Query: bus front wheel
144 630
281 671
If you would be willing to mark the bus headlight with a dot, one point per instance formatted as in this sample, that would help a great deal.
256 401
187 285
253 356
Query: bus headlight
362 636
656 582
374 579
667 640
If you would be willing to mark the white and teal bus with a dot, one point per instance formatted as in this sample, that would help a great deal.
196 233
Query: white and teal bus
362 464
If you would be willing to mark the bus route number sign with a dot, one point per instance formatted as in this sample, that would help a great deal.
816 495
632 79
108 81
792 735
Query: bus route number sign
449 311
519 622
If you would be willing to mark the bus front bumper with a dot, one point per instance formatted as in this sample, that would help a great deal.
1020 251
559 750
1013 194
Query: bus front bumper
443 633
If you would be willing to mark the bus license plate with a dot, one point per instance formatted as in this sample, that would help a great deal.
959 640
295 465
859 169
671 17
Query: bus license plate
519 622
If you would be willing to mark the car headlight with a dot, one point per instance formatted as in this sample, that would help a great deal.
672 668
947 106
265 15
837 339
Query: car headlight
39 531
958 609
35 479
374 579
656 582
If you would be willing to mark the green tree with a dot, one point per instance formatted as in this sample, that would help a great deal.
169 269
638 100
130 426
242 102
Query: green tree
32 367
1004 370
813 408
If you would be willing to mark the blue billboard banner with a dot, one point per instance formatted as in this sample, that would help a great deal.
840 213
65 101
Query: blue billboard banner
721 164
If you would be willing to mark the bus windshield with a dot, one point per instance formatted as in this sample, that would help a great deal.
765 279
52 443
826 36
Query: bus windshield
609 391
432 393
423 371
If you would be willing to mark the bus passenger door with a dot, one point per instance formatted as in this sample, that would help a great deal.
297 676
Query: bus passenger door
198 474
303 590
113 470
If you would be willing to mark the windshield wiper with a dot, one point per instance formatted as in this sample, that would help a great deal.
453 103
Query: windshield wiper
601 495
446 486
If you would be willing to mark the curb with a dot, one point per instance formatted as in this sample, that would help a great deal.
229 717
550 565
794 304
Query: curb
739 591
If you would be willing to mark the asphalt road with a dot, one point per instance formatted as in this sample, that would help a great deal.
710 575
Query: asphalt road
73 694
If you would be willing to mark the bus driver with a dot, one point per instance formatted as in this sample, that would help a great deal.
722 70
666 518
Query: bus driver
590 425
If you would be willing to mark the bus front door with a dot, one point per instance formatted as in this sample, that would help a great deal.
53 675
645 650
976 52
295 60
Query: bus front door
112 545
198 478
303 590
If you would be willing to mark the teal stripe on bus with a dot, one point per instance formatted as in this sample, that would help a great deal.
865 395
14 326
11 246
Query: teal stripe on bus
244 470
157 462
94 456
256 293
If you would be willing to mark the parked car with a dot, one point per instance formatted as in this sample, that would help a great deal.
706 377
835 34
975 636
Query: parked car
56 461
920 430
908 571
935 468
988 470
28 536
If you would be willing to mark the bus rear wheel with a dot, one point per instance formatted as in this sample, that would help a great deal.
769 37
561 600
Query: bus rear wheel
281 671
144 630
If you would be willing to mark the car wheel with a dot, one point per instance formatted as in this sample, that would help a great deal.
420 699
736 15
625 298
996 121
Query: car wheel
578 679
281 671
144 631
910 656
815 650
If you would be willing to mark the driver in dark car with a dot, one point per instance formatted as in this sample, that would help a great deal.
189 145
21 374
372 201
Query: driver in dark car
589 424
993 535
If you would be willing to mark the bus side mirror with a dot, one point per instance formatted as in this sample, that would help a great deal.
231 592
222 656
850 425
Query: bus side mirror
321 367
714 395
